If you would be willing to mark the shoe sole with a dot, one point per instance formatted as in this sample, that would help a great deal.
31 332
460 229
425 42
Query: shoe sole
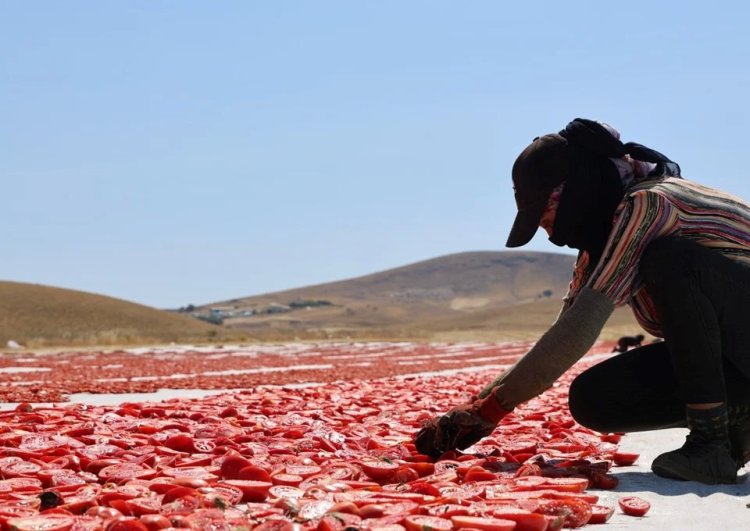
675 471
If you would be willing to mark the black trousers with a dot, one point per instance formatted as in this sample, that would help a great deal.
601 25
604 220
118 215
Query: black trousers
703 302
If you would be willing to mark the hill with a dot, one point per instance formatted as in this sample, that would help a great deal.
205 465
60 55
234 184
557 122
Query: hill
475 295
35 315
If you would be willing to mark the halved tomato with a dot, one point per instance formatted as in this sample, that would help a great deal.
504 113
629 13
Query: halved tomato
378 470
336 521
625 458
485 524
252 491
42 522
633 505
600 514
427 523
574 512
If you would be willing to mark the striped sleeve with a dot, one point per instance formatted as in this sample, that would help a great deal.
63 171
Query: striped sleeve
643 217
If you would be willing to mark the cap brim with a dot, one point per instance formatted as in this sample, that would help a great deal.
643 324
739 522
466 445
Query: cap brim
525 226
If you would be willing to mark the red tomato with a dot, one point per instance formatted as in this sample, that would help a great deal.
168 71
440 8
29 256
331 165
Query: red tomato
253 473
124 472
126 523
334 521
477 473
252 491
42 522
600 514
283 491
14 511
625 458
404 474
574 512
379 470
105 513
427 523
277 524
212 519
422 468
232 464
372 510
222 496
423 487
306 471
141 506
485 524
446 510
286 479
176 493
633 505
525 520
601 480
154 522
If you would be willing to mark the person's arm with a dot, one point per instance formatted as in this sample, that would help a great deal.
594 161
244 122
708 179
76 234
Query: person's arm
567 340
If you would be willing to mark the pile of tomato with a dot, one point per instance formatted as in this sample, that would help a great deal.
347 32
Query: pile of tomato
332 457
53 377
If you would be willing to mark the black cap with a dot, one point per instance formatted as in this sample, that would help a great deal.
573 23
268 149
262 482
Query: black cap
540 168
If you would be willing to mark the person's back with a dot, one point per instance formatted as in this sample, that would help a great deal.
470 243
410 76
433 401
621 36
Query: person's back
712 217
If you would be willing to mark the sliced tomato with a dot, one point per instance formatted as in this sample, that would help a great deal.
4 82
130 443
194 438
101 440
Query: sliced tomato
252 491
154 522
625 458
8 511
232 464
123 472
286 479
42 522
602 480
105 513
446 510
253 473
277 524
222 496
178 492
525 520
574 512
144 505
633 505
181 506
484 524
212 519
427 523
126 523
284 491
379 470
305 471
600 514
372 510
19 469
337 521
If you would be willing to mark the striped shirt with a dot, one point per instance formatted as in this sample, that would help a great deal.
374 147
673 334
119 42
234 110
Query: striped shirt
649 210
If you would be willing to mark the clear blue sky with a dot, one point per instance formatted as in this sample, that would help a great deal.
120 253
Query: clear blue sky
174 152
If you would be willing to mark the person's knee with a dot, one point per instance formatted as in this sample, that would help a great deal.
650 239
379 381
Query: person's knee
586 403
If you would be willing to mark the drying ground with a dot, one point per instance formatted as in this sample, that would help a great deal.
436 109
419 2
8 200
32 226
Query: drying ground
345 411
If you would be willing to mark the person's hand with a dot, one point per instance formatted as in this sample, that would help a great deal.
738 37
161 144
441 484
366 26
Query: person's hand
460 427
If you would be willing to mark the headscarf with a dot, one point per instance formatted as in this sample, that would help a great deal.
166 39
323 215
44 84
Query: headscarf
604 168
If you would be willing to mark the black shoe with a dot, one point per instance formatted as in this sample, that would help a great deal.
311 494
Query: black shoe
739 439
709 462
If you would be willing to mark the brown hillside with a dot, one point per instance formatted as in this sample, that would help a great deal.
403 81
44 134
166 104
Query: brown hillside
36 315
482 295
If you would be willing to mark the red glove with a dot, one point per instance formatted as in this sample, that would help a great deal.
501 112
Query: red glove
460 427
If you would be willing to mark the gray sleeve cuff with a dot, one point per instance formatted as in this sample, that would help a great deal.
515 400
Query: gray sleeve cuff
567 340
